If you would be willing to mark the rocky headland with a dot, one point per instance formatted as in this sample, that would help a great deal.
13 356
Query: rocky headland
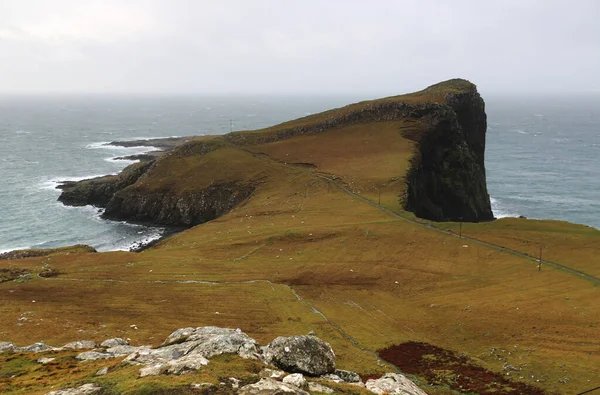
445 180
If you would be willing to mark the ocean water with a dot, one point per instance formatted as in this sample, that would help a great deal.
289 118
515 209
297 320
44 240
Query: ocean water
541 157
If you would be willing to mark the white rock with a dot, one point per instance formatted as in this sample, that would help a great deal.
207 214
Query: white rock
119 351
153 370
80 344
82 390
6 346
267 373
394 384
270 387
316 387
332 377
38 347
296 379
348 376
93 355
44 361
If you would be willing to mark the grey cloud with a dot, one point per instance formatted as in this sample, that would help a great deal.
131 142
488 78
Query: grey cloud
269 46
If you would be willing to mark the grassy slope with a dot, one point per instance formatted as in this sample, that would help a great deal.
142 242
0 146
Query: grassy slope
380 279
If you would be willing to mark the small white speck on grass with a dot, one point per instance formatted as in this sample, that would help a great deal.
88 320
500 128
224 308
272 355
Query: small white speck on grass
465 246
216 312
33 301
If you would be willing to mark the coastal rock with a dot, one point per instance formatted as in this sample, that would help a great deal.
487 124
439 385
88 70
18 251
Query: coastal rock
270 387
446 180
301 354
82 390
44 361
80 344
394 383
98 191
121 350
177 209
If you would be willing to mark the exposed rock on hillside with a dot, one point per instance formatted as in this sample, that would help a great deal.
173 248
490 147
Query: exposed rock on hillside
301 354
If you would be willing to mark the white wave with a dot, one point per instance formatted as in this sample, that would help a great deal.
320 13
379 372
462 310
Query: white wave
3 250
500 211
55 181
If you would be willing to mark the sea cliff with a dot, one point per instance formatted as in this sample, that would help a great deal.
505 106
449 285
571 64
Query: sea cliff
444 182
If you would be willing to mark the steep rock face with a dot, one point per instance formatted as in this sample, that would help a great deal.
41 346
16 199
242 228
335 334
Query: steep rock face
187 209
446 180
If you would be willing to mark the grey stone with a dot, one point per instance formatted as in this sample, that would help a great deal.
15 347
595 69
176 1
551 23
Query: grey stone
37 347
153 370
270 387
80 344
179 335
93 355
296 379
6 346
332 377
316 387
348 376
394 384
82 390
117 341
119 351
301 354
102 372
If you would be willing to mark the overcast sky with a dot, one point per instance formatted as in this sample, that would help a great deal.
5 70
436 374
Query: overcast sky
376 47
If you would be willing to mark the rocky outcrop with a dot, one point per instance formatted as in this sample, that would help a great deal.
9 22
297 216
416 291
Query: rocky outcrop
189 349
301 354
98 191
185 209
446 180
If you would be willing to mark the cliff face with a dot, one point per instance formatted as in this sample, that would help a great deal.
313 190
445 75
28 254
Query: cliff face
446 180
186 209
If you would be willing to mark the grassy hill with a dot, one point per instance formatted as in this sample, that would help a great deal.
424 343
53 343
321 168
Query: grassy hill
322 242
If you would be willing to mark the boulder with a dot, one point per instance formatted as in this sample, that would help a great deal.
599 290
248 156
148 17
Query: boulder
270 387
82 390
93 355
301 354
394 383
316 387
296 379
80 344
117 341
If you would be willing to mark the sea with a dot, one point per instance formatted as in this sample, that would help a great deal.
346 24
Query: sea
542 155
